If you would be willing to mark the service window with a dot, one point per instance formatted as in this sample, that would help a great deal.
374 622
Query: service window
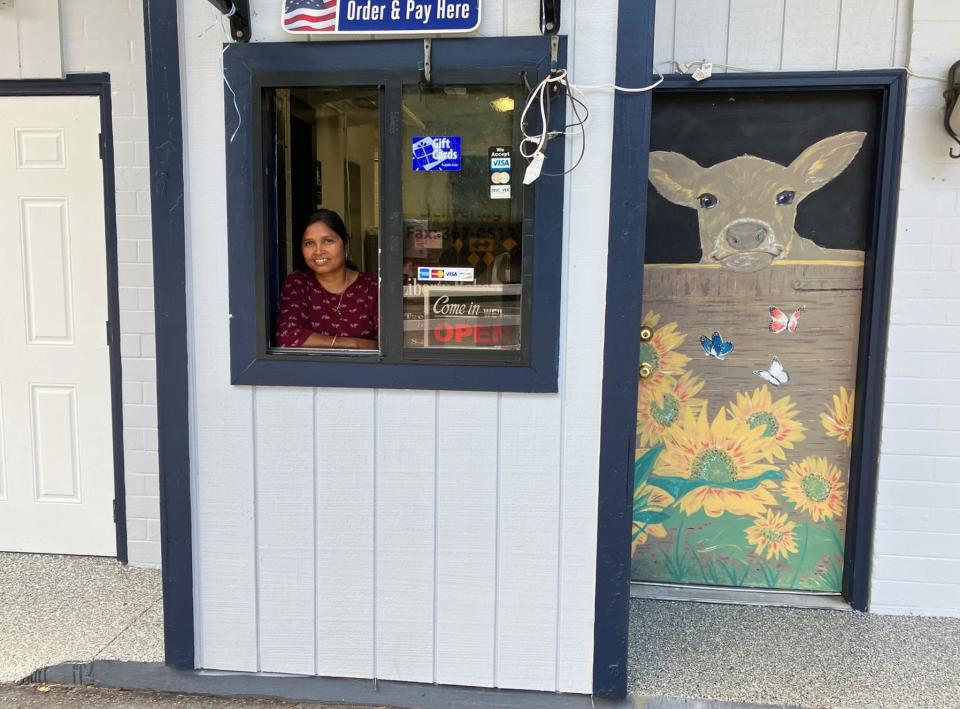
380 228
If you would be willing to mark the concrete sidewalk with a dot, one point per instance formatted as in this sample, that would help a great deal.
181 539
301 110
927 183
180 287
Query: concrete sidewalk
796 657
70 608
56 609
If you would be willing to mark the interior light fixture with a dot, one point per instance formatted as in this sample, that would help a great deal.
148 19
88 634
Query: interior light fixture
504 104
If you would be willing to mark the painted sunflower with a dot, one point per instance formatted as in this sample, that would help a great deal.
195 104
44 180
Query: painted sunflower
660 407
838 422
660 351
813 485
721 464
650 499
774 533
776 420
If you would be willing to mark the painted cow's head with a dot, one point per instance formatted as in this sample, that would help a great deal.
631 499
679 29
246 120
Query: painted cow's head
747 206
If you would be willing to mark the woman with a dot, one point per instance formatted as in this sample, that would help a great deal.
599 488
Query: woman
331 305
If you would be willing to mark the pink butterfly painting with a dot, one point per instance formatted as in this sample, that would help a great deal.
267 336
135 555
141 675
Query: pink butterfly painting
779 321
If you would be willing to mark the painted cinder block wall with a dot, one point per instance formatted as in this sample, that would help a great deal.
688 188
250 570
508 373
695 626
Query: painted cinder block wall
916 567
107 36
423 536
917 548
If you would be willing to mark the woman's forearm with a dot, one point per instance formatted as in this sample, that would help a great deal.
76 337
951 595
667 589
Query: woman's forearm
338 342
321 341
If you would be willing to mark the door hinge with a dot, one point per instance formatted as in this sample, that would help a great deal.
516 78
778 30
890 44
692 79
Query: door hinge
109 334
116 513
102 145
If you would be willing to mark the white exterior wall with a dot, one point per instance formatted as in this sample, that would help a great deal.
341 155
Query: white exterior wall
413 535
917 543
37 41
107 36
917 548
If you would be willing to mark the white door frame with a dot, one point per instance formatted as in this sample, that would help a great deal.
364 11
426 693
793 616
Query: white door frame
98 85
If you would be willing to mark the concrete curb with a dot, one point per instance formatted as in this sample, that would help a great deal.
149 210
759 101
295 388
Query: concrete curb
156 677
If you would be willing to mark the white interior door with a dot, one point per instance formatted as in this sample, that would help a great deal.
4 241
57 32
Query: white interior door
56 461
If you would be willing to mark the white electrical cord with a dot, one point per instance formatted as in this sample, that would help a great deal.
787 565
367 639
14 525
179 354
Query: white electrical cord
684 67
540 96
218 20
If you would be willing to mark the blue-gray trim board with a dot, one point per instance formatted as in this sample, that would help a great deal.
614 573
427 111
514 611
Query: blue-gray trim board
170 303
628 209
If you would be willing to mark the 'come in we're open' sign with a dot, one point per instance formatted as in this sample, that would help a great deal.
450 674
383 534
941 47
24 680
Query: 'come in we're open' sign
380 16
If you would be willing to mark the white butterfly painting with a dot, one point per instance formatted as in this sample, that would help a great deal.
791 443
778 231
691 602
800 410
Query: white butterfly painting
775 375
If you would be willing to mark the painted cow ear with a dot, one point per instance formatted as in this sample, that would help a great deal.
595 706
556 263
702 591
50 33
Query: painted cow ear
824 160
676 177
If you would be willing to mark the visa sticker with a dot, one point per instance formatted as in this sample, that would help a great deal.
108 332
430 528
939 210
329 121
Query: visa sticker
445 274
500 159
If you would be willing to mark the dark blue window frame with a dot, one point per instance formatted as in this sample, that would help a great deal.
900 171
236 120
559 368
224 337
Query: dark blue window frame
391 65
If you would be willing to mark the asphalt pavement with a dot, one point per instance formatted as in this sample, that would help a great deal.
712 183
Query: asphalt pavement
59 696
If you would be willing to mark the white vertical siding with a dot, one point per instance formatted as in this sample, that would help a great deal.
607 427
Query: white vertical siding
284 524
755 30
223 450
423 536
593 54
346 530
857 49
767 35
467 456
701 29
811 30
406 478
528 532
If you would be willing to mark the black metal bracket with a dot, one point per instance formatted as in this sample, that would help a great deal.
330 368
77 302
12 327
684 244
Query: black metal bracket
239 13
549 16
952 94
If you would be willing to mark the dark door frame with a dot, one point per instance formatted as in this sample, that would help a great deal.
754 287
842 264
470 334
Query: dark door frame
98 85
624 310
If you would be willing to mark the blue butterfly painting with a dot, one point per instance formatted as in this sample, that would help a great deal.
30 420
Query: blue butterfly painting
716 346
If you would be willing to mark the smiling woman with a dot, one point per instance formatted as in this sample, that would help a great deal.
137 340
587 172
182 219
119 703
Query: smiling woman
330 305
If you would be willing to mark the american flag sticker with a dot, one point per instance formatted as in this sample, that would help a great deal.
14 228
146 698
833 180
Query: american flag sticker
310 15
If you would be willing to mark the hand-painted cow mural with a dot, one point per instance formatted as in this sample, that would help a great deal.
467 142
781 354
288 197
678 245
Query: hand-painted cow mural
747 206
749 344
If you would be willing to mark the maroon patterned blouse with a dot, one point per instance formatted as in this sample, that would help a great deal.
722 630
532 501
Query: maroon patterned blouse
307 307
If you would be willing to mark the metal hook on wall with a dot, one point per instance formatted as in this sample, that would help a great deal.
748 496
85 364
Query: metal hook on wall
951 121
424 65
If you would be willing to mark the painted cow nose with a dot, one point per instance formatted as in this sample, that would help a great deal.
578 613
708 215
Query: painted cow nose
746 235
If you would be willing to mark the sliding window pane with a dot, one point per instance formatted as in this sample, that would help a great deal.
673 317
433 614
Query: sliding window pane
463 213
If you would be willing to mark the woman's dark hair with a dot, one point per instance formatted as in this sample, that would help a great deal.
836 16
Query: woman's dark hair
335 222
332 220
